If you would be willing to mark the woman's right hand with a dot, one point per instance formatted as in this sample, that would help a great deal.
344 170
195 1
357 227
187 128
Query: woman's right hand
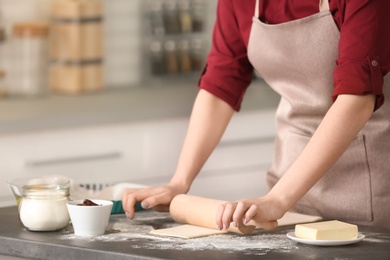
158 197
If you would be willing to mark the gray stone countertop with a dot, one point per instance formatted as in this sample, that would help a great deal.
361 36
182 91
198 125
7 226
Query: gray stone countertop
130 239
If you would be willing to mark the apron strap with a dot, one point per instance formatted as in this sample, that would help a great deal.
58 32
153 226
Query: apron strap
257 9
324 5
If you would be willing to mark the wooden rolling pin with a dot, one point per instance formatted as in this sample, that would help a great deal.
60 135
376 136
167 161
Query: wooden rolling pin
201 212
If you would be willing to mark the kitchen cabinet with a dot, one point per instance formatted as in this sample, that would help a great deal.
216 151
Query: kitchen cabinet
94 157
144 153
139 149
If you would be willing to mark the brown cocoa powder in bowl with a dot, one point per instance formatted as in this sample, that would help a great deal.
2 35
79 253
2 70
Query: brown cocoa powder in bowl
88 202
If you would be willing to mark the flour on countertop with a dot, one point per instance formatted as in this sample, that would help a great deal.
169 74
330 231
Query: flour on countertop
376 238
123 229
254 244
259 243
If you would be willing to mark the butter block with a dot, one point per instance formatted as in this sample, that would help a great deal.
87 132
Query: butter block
327 230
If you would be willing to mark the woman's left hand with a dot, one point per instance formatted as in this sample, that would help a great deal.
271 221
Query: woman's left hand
263 211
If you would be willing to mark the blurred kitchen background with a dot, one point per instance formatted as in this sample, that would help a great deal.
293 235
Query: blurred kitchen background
71 47
101 91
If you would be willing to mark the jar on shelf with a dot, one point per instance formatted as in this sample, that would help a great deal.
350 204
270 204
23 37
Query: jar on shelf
171 17
184 56
172 66
43 206
156 18
157 61
185 17
28 73
198 15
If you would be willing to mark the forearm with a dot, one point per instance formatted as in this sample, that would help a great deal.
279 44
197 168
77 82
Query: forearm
209 119
339 127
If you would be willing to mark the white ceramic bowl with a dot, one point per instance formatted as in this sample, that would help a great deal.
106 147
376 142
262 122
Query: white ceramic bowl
89 220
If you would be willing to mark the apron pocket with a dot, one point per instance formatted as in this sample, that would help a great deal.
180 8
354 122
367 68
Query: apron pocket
344 192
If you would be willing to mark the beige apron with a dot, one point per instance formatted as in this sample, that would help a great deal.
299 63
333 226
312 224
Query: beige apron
297 60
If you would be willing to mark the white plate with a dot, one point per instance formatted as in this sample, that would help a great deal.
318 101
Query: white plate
291 235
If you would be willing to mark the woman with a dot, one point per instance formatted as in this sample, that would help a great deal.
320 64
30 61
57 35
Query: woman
329 62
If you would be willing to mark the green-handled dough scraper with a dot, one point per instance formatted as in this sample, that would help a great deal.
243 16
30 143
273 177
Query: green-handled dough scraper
117 207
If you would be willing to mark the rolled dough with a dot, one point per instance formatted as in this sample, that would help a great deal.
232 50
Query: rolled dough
191 231
292 218
187 231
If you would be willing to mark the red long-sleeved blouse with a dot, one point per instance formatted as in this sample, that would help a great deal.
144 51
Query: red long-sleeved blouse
364 46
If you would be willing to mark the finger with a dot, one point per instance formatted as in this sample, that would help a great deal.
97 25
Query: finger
239 214
251 213
129 205
148 203
130 198
219 215
160 199
127 192
228 215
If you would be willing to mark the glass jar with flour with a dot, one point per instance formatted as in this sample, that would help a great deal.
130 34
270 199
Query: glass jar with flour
42 205
28 68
